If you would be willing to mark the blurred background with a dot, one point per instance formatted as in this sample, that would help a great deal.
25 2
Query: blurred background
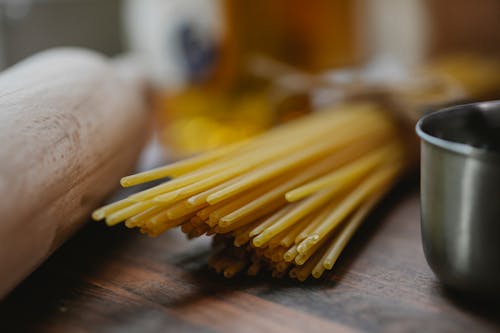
224 70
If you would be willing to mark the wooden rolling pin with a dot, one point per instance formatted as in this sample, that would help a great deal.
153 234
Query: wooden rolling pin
71 124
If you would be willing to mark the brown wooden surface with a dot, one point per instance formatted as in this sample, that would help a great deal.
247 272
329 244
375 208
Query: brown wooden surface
114 280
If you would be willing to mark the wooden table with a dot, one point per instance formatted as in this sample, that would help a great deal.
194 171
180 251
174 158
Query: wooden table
114 280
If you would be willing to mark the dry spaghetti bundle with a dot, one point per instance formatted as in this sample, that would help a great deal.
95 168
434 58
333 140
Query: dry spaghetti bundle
287 201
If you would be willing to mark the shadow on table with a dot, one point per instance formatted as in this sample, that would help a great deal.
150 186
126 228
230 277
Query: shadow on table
486 307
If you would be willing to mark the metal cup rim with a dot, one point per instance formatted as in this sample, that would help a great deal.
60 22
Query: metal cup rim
458 147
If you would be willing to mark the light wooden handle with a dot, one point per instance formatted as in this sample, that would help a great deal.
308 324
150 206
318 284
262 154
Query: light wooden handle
71 125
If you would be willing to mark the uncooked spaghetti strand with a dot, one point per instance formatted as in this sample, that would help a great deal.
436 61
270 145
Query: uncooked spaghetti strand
276 195
348 173
302 258
162 224
157 219
129 211
205 213
202 185
292 142
181 167
178 183
258 217
308 154
241 200
238 167
166 225
187 165
300 211
190 164
288 239
242 235
104 211
201 198
182 208
244 161
271 220
187 179
275 241
303 272
340 241
252 194
139 219
264 211
320 216
377 180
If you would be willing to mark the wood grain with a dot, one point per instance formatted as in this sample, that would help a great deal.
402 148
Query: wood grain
71 124
114 280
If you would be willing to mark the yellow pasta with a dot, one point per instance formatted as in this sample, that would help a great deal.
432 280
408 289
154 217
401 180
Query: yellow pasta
318 219
107 210
306 155
287 201
340 241
276 197
271 220
288 239
344 175
138 220
129 211
375 182
182 208
300 211
179 168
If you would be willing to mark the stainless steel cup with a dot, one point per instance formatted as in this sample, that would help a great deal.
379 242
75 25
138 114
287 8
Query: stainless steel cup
460 195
